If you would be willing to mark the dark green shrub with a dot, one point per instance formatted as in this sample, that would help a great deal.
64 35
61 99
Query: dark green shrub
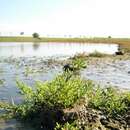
35 35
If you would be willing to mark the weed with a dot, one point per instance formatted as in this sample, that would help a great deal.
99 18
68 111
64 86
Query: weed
107 100
97 54
66 126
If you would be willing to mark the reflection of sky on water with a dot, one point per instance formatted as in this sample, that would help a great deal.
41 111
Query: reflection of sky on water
53 49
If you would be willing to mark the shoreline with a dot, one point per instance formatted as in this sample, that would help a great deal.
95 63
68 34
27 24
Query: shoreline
124 43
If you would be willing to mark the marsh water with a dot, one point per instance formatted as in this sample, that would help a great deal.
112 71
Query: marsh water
30 62
53 49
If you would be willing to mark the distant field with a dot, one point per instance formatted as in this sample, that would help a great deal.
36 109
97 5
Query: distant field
124 42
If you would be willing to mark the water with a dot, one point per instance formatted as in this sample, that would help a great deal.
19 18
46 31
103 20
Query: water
115 74
29 62
53 49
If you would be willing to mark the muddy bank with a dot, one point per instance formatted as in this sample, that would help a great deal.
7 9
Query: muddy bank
88 118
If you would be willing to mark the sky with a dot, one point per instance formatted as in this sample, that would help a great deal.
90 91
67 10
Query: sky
66 17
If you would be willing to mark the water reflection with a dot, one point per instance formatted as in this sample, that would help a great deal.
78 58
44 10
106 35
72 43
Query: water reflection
36 46
53 49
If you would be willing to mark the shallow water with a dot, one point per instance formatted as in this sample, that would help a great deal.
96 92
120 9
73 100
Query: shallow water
13 125
112 74
53 49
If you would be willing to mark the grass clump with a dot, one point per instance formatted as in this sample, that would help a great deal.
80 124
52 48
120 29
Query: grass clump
2 81
78 62
97 54
66 126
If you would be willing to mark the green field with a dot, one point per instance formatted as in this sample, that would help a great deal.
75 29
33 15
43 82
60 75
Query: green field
45 39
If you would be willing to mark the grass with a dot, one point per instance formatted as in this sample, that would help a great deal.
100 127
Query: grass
45 39
97 54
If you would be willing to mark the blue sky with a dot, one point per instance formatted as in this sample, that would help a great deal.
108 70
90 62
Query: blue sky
66 17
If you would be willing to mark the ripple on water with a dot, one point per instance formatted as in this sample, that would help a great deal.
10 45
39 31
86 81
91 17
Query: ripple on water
115 74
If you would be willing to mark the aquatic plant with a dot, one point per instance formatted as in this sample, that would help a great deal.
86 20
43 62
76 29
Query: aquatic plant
28 70
66 126
97 54
78 63
2 81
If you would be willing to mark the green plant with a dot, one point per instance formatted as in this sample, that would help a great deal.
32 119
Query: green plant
66 126
97 54
2 81
108 100
63 91
78 63
28 71
50 98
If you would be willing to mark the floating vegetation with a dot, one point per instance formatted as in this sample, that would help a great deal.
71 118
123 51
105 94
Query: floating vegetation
2 81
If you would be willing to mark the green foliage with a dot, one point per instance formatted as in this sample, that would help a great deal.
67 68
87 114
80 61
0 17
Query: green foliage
2 81
8 110
78 63
26 90
6 106
108 100
28 71
62 92
66 126
109 37
35 35
49 98
97 54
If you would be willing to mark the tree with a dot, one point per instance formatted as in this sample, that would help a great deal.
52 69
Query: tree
109 37
21 33
35 35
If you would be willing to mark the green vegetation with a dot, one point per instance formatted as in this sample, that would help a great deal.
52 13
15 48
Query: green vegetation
2 81
66 126
78 63
97 54
61 92
35 35
82 40
108 100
